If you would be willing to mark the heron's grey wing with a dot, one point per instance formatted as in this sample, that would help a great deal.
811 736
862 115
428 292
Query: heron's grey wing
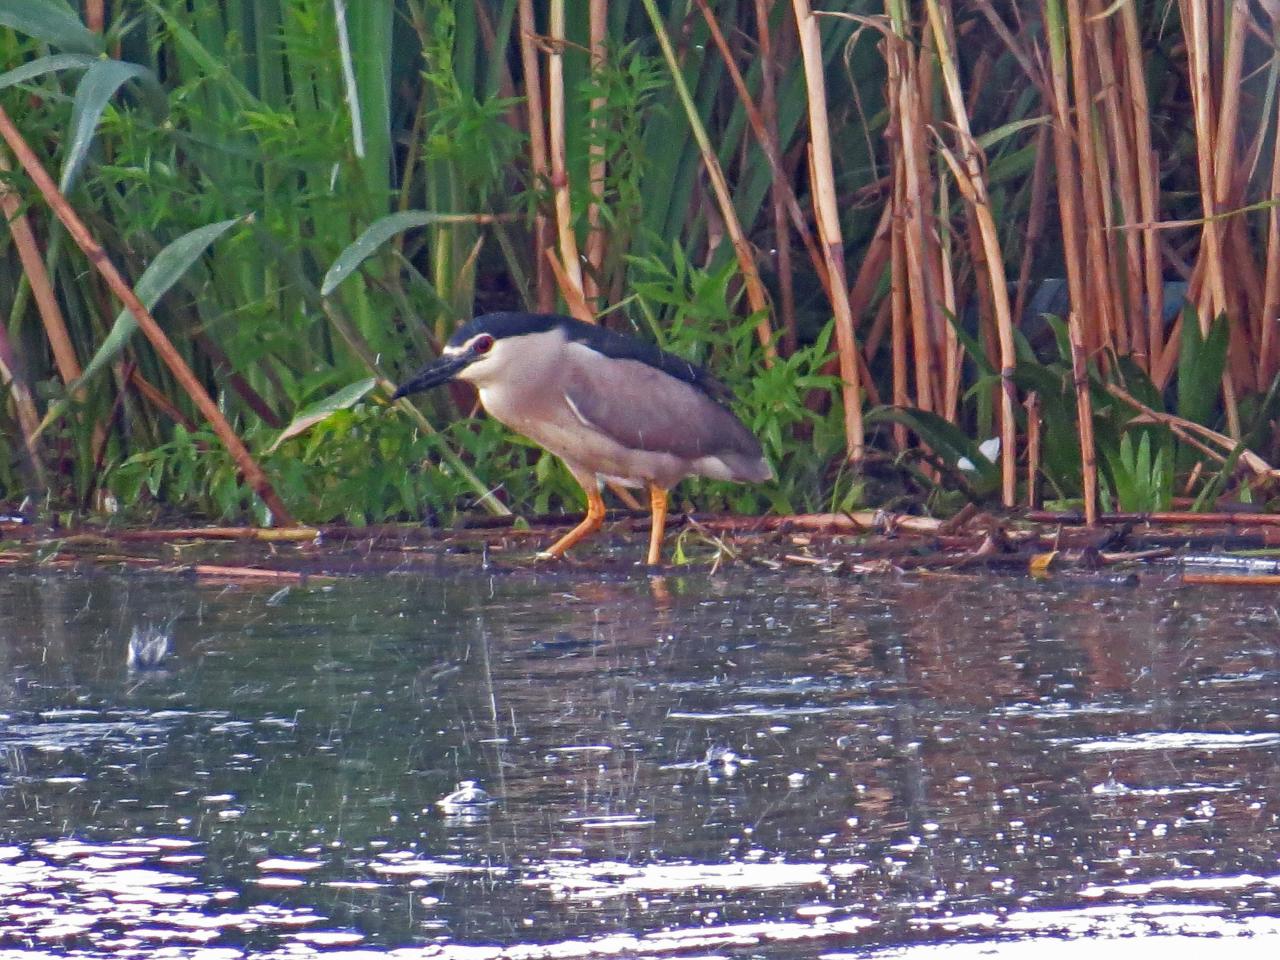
642 408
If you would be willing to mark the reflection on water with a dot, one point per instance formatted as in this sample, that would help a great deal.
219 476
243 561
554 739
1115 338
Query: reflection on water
551 765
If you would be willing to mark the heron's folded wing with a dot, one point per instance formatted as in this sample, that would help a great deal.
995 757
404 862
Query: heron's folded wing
642 408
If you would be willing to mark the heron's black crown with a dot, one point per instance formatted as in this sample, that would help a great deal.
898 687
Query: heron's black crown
601 340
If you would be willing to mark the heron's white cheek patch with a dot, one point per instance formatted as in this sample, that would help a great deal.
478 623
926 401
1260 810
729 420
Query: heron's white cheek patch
481 372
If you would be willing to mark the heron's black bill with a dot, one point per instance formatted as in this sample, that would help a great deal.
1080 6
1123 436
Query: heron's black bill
432 375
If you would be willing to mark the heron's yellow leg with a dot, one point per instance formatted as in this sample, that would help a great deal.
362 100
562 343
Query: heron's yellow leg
592 522
658 507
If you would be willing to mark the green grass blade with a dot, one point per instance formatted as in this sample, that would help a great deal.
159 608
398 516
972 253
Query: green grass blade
43 65
321 410
50 21
95 90
1119 463
215 70
1201 362
165 270
378 233
369 24
1004 131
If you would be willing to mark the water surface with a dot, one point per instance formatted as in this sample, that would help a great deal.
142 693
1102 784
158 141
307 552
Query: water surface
737 765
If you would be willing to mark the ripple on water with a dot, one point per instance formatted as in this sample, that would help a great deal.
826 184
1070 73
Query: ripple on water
1180 740
592 881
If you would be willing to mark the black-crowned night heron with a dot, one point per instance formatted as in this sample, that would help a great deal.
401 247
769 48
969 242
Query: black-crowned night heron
613 408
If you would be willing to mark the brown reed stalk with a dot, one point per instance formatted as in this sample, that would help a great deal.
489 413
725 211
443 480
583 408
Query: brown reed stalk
1102 322
223 367
1188 432
1147 165
1032 405
938 328
1196 29
905 95
489 40
1107 191
827 211
974 192
1037 208
155 396
1271 286
1228 112
24 240
949 405
766 132
24 405
569 257
1246 279
1033 69
972 183
597 26
898 297
248 467
542 229
874 259
1244 283
46 299
574 300
1213 299
1084 416
1131 324
95 15
877 329
1066 171
764 124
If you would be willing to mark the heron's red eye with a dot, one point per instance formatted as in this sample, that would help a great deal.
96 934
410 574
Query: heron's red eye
482 344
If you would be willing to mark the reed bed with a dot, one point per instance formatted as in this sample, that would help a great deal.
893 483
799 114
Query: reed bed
873 219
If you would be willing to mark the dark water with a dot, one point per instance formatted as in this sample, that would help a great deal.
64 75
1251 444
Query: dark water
731 766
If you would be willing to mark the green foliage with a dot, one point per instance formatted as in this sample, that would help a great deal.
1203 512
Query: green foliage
355 466
192 469
50 21
690 312
1135 481
1201 362
1138 459
949 447
1217 484
324 408
167 269
621 100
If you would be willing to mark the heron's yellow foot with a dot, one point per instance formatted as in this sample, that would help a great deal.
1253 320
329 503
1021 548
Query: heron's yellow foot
658 509
590 524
